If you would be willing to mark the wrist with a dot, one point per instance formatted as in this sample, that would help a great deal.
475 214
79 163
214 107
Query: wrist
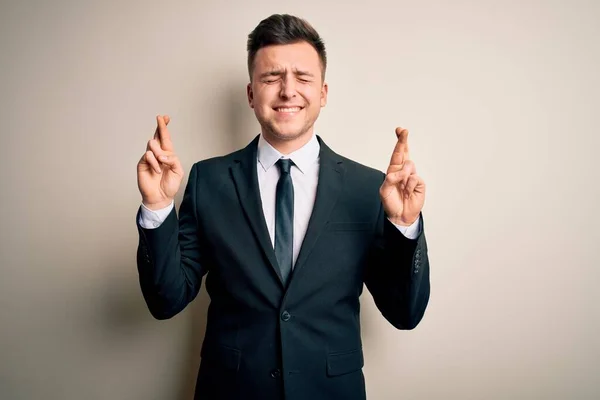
403 222
158 205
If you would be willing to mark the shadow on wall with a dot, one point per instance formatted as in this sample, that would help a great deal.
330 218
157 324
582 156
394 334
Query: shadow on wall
238 122
241 121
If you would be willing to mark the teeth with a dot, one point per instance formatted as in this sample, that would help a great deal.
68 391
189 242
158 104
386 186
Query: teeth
290 109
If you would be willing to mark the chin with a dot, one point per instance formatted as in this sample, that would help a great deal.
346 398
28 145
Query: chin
288 133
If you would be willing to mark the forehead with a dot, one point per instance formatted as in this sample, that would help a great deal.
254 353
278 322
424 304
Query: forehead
299 55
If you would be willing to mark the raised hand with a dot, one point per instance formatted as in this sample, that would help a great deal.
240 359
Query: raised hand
159 172
403 191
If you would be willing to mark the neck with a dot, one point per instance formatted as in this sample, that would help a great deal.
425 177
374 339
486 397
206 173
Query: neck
287 146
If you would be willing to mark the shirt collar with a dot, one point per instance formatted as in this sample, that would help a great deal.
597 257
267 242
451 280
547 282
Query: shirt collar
302 158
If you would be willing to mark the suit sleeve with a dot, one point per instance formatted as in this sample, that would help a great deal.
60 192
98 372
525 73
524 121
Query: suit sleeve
168 258
397 274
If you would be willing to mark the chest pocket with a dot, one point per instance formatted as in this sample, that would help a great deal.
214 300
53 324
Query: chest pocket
348 226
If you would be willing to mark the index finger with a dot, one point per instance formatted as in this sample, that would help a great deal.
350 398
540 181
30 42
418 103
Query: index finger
400 153
167 120
164 136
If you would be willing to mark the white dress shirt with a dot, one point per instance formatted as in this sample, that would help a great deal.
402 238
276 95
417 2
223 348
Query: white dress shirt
305 177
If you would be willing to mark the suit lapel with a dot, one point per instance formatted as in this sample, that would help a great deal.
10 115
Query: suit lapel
245 178
331 176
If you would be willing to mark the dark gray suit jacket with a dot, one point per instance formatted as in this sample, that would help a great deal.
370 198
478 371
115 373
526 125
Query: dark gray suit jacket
263 340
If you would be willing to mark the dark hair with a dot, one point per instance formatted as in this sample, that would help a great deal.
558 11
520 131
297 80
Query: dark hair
284 29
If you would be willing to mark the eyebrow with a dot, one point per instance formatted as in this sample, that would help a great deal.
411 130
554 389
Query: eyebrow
279 72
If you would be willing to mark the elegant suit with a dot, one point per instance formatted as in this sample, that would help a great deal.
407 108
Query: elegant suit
265 340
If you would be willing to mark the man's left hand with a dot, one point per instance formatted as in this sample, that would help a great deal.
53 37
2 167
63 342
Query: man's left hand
403 191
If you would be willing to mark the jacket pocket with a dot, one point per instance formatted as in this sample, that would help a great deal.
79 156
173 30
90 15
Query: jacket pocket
344 363
226 357
349 226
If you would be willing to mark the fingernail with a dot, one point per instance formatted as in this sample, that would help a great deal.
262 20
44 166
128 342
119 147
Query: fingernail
162 158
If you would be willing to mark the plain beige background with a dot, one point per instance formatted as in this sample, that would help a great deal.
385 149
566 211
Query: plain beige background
502 102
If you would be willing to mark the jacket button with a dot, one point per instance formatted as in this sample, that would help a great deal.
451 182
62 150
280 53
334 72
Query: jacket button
285 316
275 374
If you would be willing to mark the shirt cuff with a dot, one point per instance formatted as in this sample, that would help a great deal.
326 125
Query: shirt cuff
411 231
151 219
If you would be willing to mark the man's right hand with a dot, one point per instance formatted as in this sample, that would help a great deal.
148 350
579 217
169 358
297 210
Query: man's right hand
159 172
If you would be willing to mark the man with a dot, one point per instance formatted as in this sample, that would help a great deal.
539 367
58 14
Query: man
287 232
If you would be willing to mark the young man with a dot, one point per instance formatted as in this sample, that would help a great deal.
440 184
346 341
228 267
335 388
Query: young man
287 232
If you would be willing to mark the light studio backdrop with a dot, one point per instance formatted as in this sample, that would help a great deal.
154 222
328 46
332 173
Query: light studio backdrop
501 100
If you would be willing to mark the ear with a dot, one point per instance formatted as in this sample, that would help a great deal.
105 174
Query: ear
324 90
250 95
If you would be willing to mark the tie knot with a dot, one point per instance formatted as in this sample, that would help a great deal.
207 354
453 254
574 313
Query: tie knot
284 165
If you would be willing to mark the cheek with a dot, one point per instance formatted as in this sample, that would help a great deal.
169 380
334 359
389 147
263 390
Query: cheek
259 104
313 95
264 98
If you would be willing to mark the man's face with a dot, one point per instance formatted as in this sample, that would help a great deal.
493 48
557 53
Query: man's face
287 90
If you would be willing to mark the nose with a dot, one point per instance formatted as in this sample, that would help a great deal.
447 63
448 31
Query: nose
288 88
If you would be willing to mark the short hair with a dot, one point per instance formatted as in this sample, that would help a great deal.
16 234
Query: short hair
284 29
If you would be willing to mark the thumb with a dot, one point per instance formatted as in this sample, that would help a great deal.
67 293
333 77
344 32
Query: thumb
390 182
172 161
